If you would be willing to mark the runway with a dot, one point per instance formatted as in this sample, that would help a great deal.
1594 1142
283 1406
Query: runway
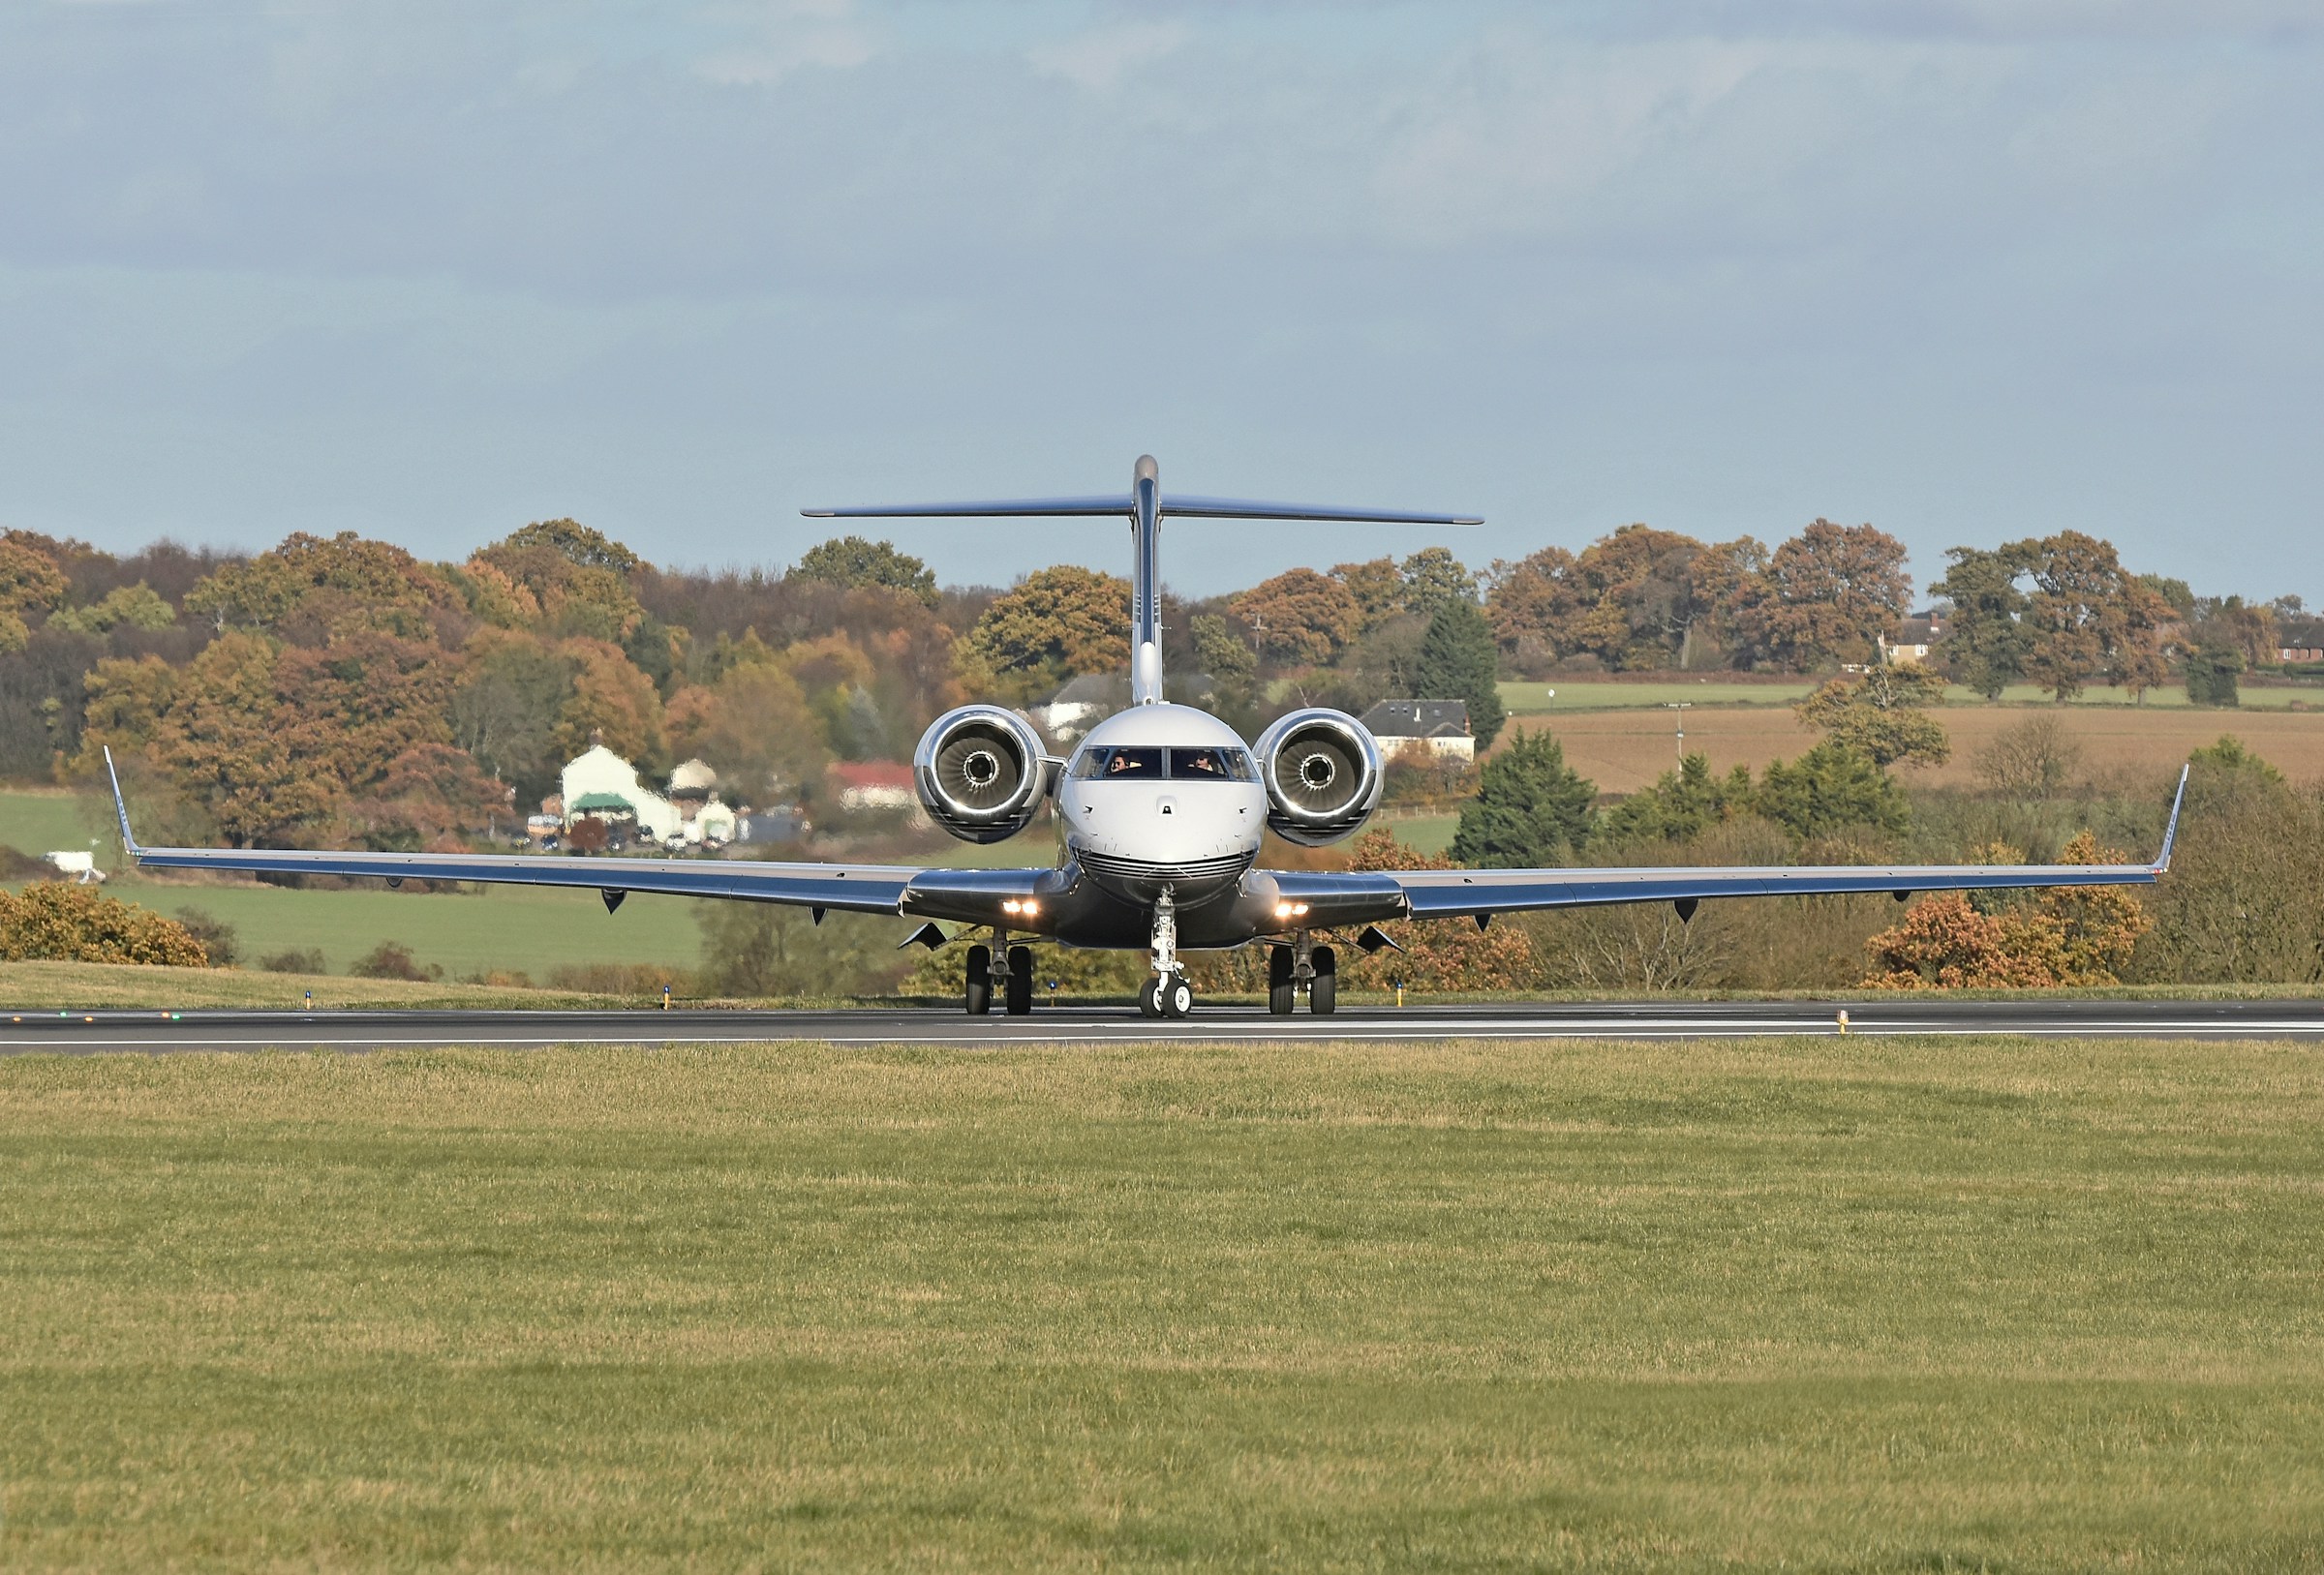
159 1032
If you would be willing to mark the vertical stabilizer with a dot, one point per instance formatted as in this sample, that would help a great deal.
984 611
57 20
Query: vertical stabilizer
1145 583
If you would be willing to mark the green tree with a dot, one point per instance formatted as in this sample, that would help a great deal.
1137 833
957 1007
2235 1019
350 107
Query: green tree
1433 578
504 706
2212 668
1884 714
1833 788
1532 809
1985 640
856 564
1681 804
1457 660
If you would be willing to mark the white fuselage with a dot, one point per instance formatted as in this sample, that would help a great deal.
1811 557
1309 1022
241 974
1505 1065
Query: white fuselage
1162 795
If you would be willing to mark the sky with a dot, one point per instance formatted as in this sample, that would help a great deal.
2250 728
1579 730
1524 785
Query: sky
1968 269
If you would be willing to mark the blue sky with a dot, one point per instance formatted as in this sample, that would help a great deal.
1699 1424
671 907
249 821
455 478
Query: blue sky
1965 268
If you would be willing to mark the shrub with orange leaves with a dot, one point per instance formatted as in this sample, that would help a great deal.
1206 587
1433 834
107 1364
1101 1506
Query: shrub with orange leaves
2065 935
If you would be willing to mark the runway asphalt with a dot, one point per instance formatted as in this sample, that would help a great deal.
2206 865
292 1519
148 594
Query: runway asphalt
152 1031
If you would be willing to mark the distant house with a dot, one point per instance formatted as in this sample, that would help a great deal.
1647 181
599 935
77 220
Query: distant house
2300 641
875 784
1913 639
1438 726
601 783
1082 703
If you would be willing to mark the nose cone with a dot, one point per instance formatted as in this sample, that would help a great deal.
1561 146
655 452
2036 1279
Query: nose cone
1145 469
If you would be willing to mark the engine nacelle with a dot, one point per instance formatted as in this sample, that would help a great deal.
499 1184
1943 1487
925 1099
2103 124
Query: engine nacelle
979 773
1323 772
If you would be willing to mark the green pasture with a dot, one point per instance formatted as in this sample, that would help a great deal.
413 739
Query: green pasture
1606 694
1960 1304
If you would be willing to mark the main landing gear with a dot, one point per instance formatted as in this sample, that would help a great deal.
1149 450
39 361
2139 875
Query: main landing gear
1302 962
1014 976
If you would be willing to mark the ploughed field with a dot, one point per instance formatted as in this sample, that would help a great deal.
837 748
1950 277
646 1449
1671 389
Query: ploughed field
1828 1303
1625 750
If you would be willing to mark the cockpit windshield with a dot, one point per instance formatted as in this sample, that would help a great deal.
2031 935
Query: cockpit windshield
1184 765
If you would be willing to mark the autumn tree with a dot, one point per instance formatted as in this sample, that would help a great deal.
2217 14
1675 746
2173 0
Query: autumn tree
2087 620
1301 616
351 706
1458 661
1884 713
855 562
222 740
1827 596
29 582
311 586
754 726
1532 809
1049 627
1641 598
578 577
1437 955
611 703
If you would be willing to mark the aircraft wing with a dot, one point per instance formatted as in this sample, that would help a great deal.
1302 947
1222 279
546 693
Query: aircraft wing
1336 896
968 896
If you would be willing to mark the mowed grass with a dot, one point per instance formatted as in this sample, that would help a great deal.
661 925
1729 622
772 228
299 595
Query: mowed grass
1809 1304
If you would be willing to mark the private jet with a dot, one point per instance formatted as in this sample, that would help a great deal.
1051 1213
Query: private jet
1162 809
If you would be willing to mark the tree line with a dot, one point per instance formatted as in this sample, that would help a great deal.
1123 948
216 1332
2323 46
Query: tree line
337 687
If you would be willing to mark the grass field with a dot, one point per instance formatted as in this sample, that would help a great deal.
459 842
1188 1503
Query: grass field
1818 1305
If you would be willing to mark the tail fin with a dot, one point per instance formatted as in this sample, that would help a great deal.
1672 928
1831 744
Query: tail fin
1146 508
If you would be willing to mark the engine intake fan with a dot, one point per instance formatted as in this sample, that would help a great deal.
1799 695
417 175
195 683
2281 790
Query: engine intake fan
1323 772
980 772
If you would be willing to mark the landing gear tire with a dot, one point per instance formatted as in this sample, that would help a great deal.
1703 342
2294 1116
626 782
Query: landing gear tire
1150 997
1021 981
979 992
1177 997
1322 992
1281 991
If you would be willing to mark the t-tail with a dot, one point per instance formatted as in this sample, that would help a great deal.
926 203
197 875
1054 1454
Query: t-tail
1146 506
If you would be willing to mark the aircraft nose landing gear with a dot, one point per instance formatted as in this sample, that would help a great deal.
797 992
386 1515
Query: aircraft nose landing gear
1166 994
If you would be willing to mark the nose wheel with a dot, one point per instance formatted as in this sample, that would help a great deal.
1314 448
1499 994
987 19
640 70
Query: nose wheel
1166 995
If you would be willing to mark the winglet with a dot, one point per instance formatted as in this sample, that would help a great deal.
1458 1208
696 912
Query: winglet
2170 831
128 839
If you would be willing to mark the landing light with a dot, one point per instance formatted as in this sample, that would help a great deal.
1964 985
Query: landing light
1028 907
1291 910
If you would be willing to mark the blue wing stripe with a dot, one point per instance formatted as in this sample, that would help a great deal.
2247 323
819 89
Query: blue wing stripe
852 888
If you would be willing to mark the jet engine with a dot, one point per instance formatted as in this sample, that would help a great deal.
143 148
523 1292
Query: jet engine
1323 773
979 773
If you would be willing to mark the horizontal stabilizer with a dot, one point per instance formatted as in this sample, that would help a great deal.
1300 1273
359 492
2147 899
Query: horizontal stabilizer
1172 507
